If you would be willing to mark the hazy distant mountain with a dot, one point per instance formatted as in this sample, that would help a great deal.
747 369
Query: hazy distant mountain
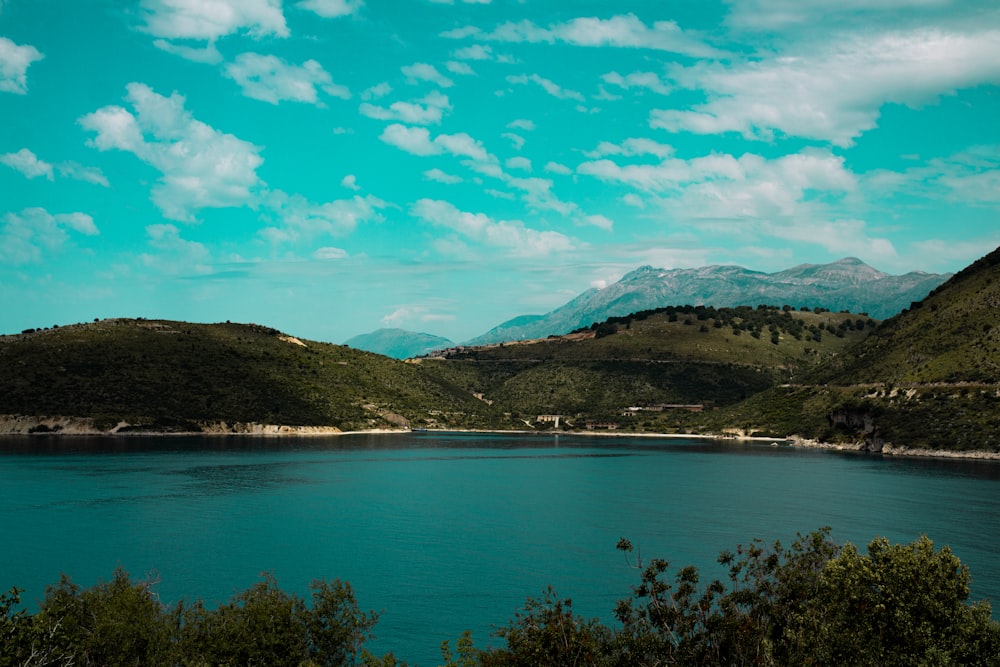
399 343
847 284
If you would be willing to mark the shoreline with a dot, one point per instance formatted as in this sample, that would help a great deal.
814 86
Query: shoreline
21 426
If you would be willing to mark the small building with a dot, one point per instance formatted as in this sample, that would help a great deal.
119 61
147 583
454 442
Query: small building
602 426
549 419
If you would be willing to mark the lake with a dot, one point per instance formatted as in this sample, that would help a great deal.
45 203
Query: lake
447 532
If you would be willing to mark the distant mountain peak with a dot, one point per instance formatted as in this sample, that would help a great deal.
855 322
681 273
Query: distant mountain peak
399 343
845 284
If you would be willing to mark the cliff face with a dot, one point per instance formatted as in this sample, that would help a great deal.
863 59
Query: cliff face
860 423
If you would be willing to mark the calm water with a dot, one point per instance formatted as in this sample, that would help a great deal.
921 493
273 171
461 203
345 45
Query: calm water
447 533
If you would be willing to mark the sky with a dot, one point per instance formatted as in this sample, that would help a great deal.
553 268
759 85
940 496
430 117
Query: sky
330 167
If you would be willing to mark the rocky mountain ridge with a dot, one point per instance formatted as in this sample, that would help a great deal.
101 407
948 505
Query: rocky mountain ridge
847 284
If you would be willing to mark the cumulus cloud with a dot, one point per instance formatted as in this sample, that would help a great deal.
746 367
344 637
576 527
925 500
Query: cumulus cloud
330 253
420 72
832 91
518 163
599 221
648 80
297 218
511 236
550 87
521 124
200 166
27 236
426 111
331 8
441 177
28 164
174 255
350 182
79 172
631 147
14 62
800 197
271 79
624 31
417 140
208 20
557 168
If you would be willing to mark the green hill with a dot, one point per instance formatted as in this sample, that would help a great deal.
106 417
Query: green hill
928 378
174 376
677 356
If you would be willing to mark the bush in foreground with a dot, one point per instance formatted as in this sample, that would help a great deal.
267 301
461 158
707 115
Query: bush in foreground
814 603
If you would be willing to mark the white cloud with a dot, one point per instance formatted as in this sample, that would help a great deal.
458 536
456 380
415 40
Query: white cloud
207 54
516 139
474 52
518 163
200 166
625 31
550 87
598 221
28 164
512 236
31 166
784 178
417 140
270 79
648 80
297 218
79 172
426 111
631 147
556 168
350 182
441 177
209 20
330 253
175 255
331 8
14 63
456 67
521 124
839 237
462 145
418 72
376 91
833 91
772 15
26 236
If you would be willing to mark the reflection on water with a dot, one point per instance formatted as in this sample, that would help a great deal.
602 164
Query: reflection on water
448 532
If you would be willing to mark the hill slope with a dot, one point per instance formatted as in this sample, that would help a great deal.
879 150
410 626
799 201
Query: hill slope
399 343
677 355
162 375
927 378
847 284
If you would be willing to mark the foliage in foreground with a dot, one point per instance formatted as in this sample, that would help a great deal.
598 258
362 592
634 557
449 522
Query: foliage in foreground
814 603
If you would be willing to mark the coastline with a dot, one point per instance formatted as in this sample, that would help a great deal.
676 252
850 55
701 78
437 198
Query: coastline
19 425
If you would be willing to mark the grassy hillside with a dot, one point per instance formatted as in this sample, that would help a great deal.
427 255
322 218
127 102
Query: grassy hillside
166 375
676 355
927 378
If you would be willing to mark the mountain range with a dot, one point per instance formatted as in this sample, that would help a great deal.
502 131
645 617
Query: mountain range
847 284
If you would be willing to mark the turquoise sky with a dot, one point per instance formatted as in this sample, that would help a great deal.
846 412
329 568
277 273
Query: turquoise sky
329 167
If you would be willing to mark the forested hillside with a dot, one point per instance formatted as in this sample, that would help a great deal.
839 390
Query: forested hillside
927 378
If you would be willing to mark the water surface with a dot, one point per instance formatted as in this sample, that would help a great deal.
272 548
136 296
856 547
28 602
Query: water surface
452 532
